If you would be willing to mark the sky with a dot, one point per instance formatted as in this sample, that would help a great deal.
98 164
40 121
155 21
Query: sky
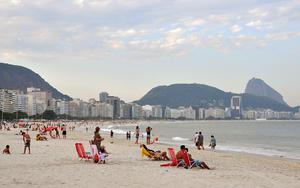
127 47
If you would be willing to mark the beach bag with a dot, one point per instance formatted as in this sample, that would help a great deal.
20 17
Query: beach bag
96 158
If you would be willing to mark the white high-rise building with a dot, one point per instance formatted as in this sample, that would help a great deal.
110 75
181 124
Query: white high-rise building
31 110
8 100
42 99
215 113
147 111
157 111
137 111
22 103
236 106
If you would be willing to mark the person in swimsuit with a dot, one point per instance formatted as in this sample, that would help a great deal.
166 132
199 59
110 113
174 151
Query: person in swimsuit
26 140
137 134
97 138
213 142
148 131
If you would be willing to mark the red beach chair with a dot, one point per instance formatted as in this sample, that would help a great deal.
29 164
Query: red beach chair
186 160
173 157
81 153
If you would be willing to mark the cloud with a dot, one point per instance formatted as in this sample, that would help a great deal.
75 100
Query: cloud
235 28
72 28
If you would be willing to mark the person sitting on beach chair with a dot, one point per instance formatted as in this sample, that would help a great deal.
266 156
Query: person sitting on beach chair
151 154
196 163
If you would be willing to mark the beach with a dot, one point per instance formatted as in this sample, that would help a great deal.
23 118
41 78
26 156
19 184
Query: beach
55 163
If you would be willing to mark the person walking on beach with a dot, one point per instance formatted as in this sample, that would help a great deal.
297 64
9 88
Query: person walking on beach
196 139
213 142
111 134
137 134
129 135
148 131
97 138
64 131
200 141
57 133
26 140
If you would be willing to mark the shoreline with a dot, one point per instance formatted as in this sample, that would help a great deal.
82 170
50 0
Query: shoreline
54 163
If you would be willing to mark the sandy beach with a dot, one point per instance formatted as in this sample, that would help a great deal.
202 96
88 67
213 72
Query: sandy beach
54 163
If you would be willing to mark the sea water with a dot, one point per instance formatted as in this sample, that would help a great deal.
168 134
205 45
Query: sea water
271 138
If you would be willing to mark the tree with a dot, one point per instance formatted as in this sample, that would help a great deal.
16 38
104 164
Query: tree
49 115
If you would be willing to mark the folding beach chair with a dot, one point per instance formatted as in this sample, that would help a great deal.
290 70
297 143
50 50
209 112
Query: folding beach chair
173 158
186 160
144 152
81 153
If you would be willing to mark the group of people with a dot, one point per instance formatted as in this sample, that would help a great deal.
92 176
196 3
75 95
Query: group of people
197 163
97 139
199 138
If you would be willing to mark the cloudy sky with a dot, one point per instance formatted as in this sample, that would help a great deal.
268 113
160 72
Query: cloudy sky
126 47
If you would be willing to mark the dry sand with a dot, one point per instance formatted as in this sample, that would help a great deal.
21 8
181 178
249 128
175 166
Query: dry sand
54 163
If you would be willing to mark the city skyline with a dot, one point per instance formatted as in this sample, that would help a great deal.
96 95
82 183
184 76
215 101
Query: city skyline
128 47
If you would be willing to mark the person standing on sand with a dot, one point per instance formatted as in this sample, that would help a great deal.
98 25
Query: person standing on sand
97 138
137 134
148 131
200 141
111 134
64 131
196 139
26 140
213 142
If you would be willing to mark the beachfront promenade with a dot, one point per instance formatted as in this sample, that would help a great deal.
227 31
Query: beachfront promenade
54 163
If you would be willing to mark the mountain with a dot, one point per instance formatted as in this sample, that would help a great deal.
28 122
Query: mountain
258 87
203 95
18 77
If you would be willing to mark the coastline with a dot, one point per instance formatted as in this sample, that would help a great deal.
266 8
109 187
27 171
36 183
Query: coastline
54 163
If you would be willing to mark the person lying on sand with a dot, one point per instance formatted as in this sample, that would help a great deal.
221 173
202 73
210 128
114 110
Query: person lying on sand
39 137
156 155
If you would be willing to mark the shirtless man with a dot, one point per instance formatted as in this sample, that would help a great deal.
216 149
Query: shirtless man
26 140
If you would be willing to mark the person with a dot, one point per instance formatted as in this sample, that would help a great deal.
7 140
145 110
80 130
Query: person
156 155
97 138
129 135
56 133
111 134
148 131
86 129
26 140
6 150
196 139
64 131
102 154
179 153
198 163
39 137
200 141
213 142
137 134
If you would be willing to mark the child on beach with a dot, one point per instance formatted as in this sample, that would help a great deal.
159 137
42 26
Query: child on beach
6 150
26 140
213 142
103 154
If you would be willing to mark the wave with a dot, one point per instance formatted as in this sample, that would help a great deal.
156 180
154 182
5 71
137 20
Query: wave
179 139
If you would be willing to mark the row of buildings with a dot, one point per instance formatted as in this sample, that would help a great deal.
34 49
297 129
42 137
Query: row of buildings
35 101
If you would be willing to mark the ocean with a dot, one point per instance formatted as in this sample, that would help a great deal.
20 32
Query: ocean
270 138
